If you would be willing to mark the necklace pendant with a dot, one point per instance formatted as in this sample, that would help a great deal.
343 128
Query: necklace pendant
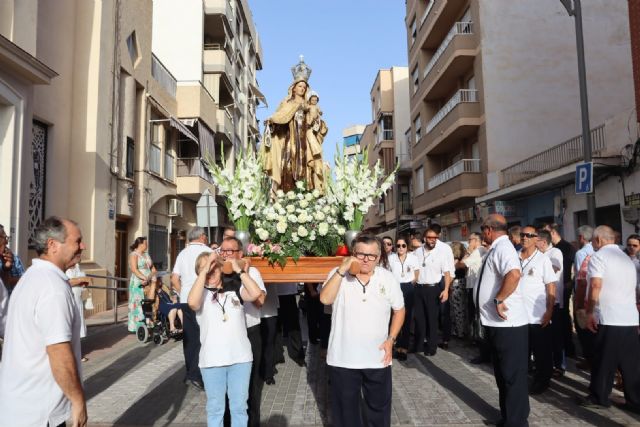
424 264
402 275
364 299
225 317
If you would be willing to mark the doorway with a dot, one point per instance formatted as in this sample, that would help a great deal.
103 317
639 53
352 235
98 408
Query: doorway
122 252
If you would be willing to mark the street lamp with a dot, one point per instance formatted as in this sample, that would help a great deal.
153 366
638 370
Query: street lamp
574 8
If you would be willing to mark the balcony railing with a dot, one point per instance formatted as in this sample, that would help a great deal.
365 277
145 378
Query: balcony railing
459 28
553 158
160 73
463 95
154 159
458 168
426 12
193 167
168 167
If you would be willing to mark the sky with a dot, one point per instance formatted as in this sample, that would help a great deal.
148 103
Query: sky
344 42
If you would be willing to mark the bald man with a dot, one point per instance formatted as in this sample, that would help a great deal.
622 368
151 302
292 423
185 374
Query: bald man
613 316
502 311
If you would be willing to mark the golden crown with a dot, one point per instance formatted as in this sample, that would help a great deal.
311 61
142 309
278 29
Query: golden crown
301 71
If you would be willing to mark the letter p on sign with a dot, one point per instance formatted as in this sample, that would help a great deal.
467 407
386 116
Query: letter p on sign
584 178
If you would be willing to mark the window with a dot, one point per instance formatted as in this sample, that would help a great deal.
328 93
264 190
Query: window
415 78
169 161
131 149
386 127
419 180
155 154
132 46
417 126
38 186
414 31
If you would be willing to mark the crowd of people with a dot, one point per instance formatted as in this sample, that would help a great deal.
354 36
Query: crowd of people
517 293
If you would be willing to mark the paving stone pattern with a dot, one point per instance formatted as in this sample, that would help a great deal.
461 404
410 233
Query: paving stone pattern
131 384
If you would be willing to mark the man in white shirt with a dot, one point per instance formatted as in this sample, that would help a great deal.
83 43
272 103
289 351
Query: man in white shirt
182 280
40 379
558 320
538 287
613 317
585 336
361 340
289 319
231 248
434 263
502 312
444 309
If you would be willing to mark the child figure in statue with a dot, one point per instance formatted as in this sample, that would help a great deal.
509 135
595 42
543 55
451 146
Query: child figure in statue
316 131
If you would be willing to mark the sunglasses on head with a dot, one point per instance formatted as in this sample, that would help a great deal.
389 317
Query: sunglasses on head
528 235
401 245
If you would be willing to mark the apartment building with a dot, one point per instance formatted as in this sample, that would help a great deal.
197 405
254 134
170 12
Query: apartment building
495 83
351 137
385 140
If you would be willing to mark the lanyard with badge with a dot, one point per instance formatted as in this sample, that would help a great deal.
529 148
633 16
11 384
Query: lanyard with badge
522 267
402 264
364 288
424 258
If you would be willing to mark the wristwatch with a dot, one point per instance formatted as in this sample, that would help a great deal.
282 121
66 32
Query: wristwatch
497 301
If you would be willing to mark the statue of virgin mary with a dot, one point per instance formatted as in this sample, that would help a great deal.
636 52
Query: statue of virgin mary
290 149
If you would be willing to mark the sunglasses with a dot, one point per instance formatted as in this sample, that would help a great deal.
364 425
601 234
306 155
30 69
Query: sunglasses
401 245
388 244
528 235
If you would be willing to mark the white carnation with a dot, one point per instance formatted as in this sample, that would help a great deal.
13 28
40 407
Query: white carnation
262 233
323 228
281 227
294 237
304 203
291 208
292 218
302 232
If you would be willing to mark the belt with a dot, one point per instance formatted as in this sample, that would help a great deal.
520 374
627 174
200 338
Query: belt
420 285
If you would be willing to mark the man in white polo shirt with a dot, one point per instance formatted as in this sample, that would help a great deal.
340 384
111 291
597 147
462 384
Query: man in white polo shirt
40 379
182 279
538 287
503 314
613 317
361 340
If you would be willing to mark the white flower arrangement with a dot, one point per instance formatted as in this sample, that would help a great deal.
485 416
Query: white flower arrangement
243 187
357 187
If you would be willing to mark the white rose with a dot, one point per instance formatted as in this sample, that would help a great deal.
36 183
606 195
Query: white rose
308 197
319 216
323 228
300 196
279 193
304 203
316 193
326 209
303 217
341 230
300 185
291 195
292 218
281 227
294 237
262 234
302 232
291 209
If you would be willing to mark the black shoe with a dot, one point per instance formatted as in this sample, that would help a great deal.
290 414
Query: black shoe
478 360
429 353
497 423
275 371
195 383
401 356
538 388
589 403
444 345
300 362
270 381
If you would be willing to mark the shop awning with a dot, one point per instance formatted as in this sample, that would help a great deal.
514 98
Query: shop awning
182 129
259 95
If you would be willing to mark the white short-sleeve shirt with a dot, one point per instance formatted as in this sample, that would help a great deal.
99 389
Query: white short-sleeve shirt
252 312
223 342
42 312
186 267
556 258
537 273
4 305
501 259
403 271
432 264
617 302
450 263
360 320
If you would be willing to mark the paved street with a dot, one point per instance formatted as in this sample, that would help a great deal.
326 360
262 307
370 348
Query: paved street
130 384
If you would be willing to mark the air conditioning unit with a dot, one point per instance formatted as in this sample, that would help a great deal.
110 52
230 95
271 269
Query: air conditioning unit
175 207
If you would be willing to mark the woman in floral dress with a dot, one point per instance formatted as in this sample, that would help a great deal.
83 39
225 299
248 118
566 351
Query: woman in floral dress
142 271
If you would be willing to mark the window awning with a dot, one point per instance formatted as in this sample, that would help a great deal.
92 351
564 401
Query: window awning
207 144
258 94
182 129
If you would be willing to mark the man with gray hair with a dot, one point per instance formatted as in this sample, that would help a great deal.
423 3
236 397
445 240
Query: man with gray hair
613 316
584 235
40 378
182 280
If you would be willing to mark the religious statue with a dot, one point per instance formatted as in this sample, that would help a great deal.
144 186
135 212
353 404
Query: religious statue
291 148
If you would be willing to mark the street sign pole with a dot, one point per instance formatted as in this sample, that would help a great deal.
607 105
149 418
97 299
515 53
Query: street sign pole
576 12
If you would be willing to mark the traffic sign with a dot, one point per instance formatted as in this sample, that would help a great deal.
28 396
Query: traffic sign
584 178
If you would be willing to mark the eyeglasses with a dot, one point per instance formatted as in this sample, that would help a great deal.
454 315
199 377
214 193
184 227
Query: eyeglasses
528 235
229 251
388 244
431 237
369 257
401 245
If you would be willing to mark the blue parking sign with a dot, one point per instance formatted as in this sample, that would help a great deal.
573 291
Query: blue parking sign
584 178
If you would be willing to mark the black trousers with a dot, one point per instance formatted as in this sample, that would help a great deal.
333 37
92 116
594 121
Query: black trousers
255 383
408 291
569 347
425 312
616 347
191 343
558 336
509 354
325 330
445 314
268 330
347 388
540 345
314 313
288 315
586 339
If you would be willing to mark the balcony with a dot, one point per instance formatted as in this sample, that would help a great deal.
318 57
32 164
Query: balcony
554 158
221 7
215 59
162 75
458 119
458 168
450 61
193 177
224 125
194 100
433 25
